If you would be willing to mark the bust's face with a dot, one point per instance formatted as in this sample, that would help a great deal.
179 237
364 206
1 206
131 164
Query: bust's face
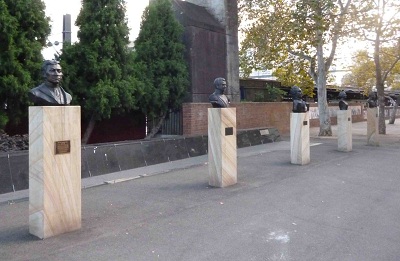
296 93
222 85
54 74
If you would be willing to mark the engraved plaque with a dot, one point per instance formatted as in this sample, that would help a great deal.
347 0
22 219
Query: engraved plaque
264 132
305 123
63 147
228 131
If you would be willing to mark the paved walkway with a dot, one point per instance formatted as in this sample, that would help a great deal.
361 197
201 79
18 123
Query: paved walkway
341 206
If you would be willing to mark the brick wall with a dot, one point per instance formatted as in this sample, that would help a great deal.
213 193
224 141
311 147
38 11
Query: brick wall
248 115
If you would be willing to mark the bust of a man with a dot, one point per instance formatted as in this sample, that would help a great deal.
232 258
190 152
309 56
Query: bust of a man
342 103
50 93
372 101
298 104
218 98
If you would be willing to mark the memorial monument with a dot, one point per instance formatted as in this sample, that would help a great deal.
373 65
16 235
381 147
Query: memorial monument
344 125
50 93
222 151
342 103
54 157
299 129
372 119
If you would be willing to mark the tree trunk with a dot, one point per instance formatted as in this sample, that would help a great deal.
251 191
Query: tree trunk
157 127
379 84
393 113
324 117
89 130
381 120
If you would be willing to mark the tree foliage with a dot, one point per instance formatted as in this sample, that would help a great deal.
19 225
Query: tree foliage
294 74
363 69
99 68
159 57
380 26
273 94
303 33
24 28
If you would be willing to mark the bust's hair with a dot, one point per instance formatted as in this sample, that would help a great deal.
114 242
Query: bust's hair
373 95
218 81
342 94
47 63
294 91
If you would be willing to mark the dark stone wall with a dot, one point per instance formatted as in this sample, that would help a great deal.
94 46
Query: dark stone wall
206 53
14 171
103 159
207 61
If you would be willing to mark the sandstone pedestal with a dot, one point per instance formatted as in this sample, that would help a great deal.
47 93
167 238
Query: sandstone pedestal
222 151
372 127
344 130
300 138
54 170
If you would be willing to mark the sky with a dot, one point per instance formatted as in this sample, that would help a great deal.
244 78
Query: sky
55 9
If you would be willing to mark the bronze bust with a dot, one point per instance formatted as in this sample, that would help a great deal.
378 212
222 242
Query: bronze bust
298 104
342 103
218 98
372 101
50 93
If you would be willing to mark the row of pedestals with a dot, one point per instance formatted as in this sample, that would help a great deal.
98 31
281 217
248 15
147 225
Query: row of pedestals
300 135
55 159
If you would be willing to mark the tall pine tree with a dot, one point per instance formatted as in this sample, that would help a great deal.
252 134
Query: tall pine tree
159 58
98 68
24 28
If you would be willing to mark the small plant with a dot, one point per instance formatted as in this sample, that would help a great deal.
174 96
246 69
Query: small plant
3 121
273 94
259 96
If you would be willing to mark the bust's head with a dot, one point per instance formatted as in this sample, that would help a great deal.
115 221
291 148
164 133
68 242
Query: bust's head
220 84
342 95
51 72
296 93
373 95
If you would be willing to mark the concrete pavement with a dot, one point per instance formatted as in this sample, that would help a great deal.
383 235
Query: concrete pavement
342 206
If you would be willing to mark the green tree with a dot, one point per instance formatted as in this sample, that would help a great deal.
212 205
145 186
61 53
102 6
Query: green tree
291 74
99 68
363 68
23 32
309 30
380 26
362 71
160 60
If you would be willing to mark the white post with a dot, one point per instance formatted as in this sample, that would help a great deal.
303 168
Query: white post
300 138
222 151
54 170
372 127
344 130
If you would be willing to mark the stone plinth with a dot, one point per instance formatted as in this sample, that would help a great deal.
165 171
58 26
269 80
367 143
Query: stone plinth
222 151
300 138
344 130
54 170
372 127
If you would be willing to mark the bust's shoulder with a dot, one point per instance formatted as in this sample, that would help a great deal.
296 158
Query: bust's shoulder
213 97
37 88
